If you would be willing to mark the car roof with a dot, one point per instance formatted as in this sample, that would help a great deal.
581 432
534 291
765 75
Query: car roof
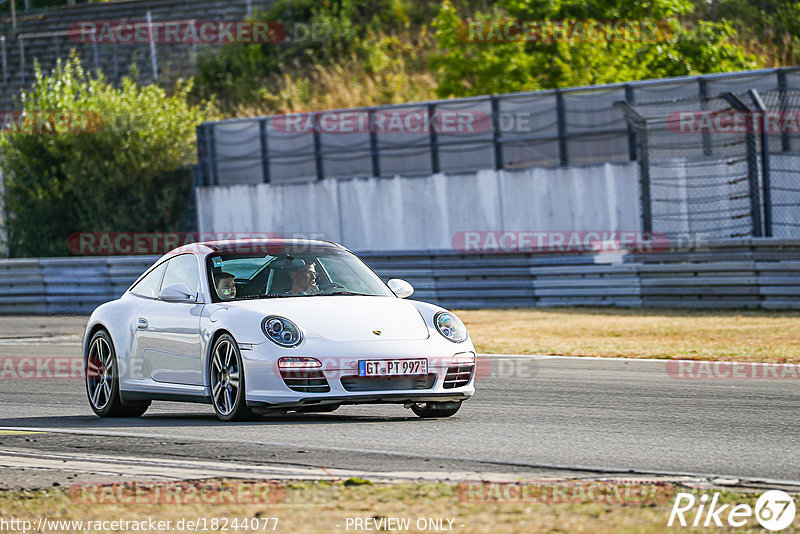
245 245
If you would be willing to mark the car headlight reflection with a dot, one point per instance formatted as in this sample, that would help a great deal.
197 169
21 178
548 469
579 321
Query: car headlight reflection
281 331
450 326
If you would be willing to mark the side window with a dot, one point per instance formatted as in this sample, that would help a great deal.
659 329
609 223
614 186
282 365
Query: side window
150 284
182 269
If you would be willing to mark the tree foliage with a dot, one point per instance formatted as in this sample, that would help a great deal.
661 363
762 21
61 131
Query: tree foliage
93 157
471 67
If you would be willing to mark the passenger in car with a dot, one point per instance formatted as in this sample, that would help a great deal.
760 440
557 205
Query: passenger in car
225 286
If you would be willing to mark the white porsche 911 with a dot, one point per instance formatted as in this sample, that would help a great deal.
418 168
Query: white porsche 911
270 326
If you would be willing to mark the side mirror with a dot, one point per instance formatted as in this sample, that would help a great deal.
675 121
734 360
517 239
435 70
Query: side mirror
177 293
400 287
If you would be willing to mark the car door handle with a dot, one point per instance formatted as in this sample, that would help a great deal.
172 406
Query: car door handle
141 324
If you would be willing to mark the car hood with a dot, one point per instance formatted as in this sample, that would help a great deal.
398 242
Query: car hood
346 318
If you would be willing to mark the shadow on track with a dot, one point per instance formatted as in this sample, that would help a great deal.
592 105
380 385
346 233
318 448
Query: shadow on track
163 420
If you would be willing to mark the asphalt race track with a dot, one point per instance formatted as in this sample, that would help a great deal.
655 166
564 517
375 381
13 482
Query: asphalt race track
531 416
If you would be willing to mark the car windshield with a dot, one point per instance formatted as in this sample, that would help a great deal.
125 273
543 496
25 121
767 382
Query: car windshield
302 272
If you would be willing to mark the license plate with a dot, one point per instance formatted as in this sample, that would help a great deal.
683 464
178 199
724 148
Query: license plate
392 367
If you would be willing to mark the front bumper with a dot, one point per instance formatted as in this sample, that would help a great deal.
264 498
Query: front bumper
372 398
266 387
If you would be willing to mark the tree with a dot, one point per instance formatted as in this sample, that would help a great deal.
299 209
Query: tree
496 60
88 157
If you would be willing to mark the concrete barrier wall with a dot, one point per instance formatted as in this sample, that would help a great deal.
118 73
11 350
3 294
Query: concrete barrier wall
747 273
412 213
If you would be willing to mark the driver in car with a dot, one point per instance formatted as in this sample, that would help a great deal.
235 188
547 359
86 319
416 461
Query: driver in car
304 280
225 286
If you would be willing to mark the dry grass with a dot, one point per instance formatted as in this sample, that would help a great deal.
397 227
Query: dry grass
748 336
319 507
395 73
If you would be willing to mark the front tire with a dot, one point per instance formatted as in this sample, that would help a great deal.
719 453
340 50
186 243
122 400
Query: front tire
102 380
428 410
227 381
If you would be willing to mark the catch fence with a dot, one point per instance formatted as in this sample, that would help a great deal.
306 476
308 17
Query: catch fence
572 126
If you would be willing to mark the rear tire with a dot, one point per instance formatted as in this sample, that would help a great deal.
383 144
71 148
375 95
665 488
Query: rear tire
102 380
429 410
226 373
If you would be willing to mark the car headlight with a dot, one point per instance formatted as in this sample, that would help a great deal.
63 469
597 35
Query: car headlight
450 326
281 331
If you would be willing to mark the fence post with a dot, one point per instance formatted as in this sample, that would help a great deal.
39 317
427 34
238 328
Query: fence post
373 144
194 43
22 59
752 177
563 157
435 168
212 153
644 182
765 176
115 59
630 98
496 138
5 64
752 160
318 148
202 155
153 52
95 51
703 91
786 144
262 130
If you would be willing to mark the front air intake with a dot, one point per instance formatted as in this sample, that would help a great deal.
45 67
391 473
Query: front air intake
388 383
458 376
305 380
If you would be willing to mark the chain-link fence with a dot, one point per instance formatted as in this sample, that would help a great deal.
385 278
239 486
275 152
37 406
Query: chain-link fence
725 166
782 171
559 127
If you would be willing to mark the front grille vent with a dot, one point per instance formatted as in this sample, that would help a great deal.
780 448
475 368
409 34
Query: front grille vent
388 383
458 376
305 380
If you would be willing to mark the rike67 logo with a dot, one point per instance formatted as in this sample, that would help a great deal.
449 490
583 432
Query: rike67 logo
774 510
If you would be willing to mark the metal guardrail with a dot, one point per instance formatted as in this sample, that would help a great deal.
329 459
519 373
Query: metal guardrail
570 126
746 273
